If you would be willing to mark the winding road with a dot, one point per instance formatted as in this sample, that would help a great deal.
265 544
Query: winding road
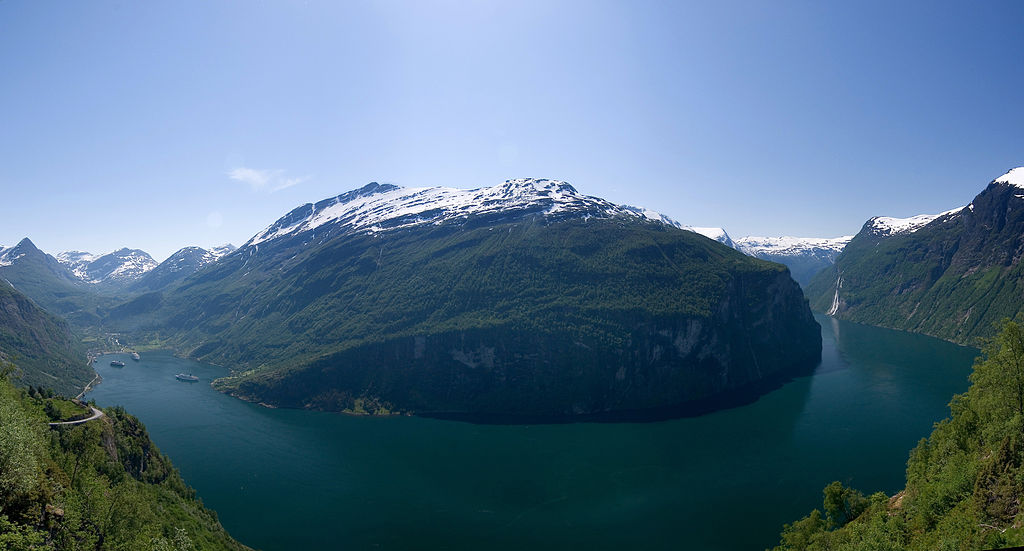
96 414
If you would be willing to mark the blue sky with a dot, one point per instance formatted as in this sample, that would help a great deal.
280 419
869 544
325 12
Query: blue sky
157 125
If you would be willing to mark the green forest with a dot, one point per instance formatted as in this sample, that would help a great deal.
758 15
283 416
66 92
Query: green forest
964 482
101 484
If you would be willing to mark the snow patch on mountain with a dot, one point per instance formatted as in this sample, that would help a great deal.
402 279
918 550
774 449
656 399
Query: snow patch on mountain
654 216
384 207
1015 177
887 225
78 262
8 256
717 234
120 265
11 255
791 246
221 251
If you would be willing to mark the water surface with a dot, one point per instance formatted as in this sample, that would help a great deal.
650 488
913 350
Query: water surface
288 479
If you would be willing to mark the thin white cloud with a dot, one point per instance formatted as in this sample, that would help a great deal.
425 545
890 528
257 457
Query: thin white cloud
264 179
289 182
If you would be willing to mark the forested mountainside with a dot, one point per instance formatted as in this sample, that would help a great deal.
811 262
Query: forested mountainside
522 299
951 275
99 485
964 482
42 345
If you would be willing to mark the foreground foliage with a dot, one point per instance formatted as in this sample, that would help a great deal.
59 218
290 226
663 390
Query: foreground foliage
964 482
97 485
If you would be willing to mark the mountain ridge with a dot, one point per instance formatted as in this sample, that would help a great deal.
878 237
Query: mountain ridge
501 298
114 270
180 265
382 207
804 256
952 277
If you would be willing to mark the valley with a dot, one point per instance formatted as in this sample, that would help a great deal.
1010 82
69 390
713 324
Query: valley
553 322
511 275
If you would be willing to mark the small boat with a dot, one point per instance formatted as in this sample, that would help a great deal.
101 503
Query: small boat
135 356
117 363
190 378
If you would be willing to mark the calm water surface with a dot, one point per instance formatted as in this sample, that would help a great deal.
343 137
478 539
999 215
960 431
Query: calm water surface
285 479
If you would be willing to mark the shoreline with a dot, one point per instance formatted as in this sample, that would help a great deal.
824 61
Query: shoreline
89 385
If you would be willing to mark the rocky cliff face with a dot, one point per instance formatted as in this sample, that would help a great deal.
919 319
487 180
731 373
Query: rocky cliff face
661 366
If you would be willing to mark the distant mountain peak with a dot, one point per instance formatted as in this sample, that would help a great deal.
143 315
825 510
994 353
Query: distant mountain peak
120 266
183 263
24 247
385 207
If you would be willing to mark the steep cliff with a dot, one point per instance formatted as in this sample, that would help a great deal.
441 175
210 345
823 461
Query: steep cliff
632 363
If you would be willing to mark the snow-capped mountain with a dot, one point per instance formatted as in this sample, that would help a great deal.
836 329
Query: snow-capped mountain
43 279
385 207
192 258
120 267
503 290
180 265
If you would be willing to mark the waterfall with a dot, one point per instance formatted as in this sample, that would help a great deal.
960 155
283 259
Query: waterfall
835 300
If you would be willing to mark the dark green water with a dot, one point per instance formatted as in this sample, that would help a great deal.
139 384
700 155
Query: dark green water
282 479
